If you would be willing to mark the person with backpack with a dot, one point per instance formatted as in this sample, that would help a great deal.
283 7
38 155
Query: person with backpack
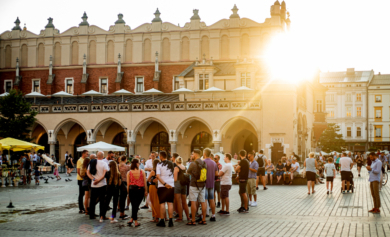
198 172
261 161
181 182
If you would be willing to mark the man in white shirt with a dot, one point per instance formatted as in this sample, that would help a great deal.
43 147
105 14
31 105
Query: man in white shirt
226 184
294 169
148 168
346 165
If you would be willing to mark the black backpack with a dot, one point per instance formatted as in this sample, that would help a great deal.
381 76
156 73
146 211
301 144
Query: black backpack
260 161
183 177
26 165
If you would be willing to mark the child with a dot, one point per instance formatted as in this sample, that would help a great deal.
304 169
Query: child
56 172
36 176
330 171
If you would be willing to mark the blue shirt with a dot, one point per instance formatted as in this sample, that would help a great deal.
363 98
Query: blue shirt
254 165
383 159
376 169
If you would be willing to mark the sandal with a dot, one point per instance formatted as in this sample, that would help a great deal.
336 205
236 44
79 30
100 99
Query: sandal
191 223
202 223
129 223
139 224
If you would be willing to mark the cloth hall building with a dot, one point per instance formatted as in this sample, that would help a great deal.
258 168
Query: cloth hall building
277 116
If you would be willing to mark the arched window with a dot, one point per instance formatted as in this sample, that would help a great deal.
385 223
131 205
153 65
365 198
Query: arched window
245 45
92 52
110 52
185 49
160 142
166 49
57 53
41 54
75 53
81 140
201 141
225 47
120 140
8 56
205 47
129 51
24 58
147 50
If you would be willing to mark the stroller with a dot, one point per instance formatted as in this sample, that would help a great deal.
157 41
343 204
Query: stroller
351 184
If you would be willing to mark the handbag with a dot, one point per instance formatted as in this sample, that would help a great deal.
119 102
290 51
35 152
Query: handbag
304 172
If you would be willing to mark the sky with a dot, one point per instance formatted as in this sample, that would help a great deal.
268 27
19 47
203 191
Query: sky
331 35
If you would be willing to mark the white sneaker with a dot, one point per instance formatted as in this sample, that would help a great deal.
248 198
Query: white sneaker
331 191
114 221
250 203
101 220
254 204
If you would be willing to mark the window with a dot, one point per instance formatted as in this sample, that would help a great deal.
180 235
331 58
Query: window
378 131
331 114
7 85
349 96
203 81
359 111
349 132
104 85
319 105
36 85
358 132
378 98
348 85
349 109
359 97
176 83
378 114
139 85
246 79
69 85
331 97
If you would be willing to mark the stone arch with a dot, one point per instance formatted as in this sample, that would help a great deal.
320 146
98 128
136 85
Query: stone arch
69 121
129 51
224 47
144 124
41 54
110 51
75 53
147 50
166 50
8 56
57 53
34 127
92 52
184 124
103 125
205 47
231 121
245 47
24 54
185 49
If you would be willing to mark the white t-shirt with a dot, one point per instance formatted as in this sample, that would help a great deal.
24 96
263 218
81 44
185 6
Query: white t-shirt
165 174
35 157
329 167
148 164
345 163
101 166
294 166
107 161
226 179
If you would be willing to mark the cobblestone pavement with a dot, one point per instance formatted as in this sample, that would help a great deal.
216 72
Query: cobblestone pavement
51 210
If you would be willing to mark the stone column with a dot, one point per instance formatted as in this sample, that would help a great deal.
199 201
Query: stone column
131 148
173 147
217 145
52 148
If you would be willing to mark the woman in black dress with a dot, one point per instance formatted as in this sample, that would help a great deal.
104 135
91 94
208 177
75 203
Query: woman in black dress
70 165
359 163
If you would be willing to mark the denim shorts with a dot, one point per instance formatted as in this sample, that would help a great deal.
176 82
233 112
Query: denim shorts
180 189
209 193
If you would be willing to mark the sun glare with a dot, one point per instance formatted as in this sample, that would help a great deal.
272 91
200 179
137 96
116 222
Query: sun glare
290 59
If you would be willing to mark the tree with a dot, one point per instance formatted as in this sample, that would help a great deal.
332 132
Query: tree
330 139
16 117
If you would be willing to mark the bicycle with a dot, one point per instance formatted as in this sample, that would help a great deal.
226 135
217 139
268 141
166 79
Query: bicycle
384 178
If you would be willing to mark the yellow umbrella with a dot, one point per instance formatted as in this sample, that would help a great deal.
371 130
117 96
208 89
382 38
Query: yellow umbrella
18 145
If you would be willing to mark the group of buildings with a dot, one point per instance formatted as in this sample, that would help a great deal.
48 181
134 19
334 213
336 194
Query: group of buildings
274 115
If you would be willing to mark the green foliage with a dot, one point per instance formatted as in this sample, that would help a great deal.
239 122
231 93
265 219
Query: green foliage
16 117
330 139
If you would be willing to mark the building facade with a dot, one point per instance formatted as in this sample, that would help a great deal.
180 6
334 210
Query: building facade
379 112
277 116
347 104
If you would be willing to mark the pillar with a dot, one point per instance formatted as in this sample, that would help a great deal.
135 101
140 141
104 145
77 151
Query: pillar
52 149
173 147
217 146
131 148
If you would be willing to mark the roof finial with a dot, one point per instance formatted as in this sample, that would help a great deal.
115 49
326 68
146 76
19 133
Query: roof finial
50 23
195 16
24 28
157 16
234 10
85 18
120 20
17 23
